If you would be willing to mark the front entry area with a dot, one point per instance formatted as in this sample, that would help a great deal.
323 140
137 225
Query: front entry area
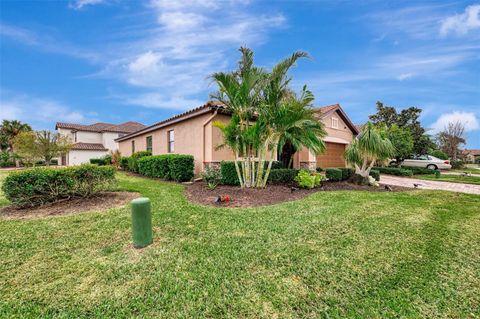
332 157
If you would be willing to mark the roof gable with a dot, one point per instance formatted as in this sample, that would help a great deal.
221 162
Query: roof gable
329 109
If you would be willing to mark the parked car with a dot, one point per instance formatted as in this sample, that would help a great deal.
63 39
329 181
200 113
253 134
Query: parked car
427 161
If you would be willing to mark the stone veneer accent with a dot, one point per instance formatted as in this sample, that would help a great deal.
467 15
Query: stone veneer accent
311 166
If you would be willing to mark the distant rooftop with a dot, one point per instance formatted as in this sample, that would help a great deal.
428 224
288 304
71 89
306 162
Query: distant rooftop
127 127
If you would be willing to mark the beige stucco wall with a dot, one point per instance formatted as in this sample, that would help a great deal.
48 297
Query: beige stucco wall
108 140
77 157
343 131
188 140
198 136
89 137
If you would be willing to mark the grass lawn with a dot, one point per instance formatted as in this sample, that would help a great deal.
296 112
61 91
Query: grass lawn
451 178
330 255
471 170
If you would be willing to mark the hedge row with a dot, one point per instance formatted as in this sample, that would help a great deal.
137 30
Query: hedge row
106 160
420 170
278 174
394 171
133 160
39 186
175 167
345 173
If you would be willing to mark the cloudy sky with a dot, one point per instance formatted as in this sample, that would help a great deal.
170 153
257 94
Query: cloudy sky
112 60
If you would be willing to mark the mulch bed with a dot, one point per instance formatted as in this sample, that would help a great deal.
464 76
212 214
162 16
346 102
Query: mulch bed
77 205
253 197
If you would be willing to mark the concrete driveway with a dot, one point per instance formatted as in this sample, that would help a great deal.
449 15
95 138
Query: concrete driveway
446 186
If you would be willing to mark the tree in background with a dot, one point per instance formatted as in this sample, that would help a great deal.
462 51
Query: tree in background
407 118
50 145
450 138
439 154
25 147
8 131
402 141
368 148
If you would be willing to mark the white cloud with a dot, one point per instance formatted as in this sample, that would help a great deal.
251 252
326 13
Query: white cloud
461 24
190 41
43 41
405 76
159 101
39 111
79 4
468 119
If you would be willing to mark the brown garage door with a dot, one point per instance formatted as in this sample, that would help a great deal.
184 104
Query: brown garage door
332 157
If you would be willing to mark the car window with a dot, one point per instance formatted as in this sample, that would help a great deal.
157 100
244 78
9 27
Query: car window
422 157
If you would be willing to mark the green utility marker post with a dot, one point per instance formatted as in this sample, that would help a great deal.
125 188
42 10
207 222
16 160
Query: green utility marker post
141 222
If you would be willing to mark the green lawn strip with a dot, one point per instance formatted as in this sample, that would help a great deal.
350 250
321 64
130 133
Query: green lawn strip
471 170
332 254
451 178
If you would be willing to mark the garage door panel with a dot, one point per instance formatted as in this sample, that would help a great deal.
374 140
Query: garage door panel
332 157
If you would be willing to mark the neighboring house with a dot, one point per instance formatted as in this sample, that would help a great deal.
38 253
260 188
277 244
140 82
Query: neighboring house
93 141
193 133
471 156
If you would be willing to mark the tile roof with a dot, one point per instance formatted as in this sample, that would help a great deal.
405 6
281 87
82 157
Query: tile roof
328 108
89 147
207 107
473 152
127 127
218 106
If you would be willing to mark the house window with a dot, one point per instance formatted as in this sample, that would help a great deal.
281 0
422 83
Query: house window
149 143
133 147
75 136
171 141
334 122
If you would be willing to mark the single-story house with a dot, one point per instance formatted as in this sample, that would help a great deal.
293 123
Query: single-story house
193 132
94 140
471 156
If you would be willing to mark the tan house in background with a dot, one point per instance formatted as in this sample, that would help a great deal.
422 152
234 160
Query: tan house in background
193 133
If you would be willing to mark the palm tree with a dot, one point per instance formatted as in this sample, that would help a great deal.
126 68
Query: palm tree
293 121
240 92
365 150
265 115
10 129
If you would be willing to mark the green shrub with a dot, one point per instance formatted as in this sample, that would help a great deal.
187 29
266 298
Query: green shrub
149 166
39 186
306 179
133 160
457 164
176 167
439 154
420 170
282 175
375 174
319 169
347 172
437 174
394 171
275 165
181 167
334 174
212 176
104 160
228 172
124 163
